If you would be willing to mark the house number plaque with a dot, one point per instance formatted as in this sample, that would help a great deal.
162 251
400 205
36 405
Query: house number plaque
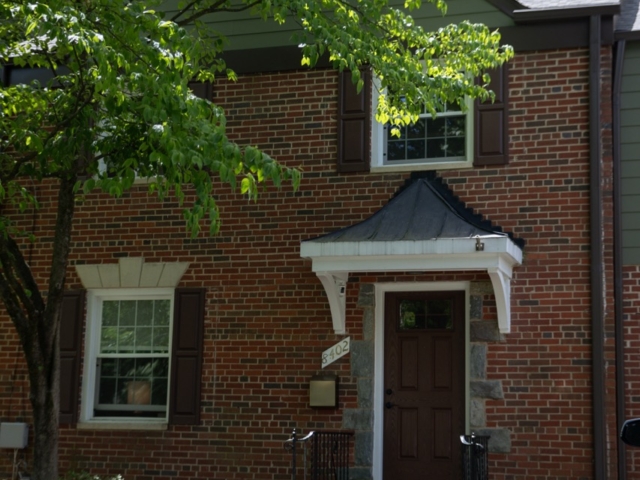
339 350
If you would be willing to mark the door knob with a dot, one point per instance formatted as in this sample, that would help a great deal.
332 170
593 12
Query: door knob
388 391
389 405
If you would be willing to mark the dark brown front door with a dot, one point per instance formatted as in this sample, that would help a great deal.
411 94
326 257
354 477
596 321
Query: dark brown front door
424 385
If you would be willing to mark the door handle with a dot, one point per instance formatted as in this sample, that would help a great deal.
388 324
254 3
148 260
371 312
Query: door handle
389 405
388 391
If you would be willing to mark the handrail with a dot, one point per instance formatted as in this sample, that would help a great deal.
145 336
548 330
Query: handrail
329 451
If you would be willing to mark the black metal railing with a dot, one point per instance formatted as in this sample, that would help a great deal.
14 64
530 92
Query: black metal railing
325 454
475 456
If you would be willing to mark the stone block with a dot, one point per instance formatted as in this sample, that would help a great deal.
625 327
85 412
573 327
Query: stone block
362 358
363 449
475 307
485 331
500 441
477 414
365 392
357 419
478 361
487 389
366 296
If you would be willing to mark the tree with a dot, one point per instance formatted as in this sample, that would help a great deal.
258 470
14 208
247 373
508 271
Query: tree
118 105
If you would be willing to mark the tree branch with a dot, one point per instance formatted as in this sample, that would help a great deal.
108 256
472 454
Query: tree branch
19 288
211 9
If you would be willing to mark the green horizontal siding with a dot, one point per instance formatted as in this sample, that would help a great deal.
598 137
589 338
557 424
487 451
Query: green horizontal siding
630 154
245 31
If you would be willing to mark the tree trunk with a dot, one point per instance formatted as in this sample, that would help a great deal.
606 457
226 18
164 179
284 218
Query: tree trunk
45 401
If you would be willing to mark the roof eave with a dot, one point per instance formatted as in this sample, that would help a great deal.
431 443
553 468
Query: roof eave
333 261
522 14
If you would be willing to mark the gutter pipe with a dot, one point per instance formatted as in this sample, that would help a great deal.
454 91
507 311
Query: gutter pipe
617 255
597 280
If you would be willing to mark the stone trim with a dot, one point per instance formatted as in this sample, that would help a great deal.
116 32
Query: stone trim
482 333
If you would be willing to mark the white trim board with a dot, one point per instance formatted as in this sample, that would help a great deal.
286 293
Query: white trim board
332 262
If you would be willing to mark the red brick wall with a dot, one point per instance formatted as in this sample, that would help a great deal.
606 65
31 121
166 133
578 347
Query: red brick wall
268 318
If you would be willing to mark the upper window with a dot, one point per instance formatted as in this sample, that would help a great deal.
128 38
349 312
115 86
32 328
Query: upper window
128 353
445 141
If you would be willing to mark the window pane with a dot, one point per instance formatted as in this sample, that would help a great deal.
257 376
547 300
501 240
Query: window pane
412 314
396 150
160 339
415 149
135 326
159 392
426 314
109 340
109 367
456 147
128 312
126 367
160 368
126 339
455 127
439 314
128 383
145 312
429 139
161 314
416 130
107 390
435 148
110 312
437 127
144 336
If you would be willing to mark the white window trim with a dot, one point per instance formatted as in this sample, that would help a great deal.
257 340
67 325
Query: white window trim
378 145
92 345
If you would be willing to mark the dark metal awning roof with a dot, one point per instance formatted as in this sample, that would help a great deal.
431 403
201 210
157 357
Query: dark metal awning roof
421 211
423 228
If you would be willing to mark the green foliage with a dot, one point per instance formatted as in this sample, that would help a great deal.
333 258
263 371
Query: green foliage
118 106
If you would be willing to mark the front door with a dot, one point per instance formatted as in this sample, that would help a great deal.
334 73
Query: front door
423 385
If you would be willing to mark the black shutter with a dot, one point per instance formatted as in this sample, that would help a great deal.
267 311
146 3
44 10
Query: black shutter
354 123
491 122
70 347
202 90
186 356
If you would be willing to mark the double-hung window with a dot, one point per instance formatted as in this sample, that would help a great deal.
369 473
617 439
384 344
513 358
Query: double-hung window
444 139
443 142
128 354
456 138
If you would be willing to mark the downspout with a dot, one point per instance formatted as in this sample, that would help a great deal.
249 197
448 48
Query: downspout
617 256
597 281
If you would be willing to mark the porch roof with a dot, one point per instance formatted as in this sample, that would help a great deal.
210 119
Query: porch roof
423 228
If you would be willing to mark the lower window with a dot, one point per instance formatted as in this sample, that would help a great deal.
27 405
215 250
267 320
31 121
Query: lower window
128 350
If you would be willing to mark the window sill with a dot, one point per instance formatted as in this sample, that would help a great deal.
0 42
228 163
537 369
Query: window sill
121 425
417 167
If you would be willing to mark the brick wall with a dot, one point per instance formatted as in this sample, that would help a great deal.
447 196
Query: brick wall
268 318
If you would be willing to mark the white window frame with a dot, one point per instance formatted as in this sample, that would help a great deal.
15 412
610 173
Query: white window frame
379 141
95 300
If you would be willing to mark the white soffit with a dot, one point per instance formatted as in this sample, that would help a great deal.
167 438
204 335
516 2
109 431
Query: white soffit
333 261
